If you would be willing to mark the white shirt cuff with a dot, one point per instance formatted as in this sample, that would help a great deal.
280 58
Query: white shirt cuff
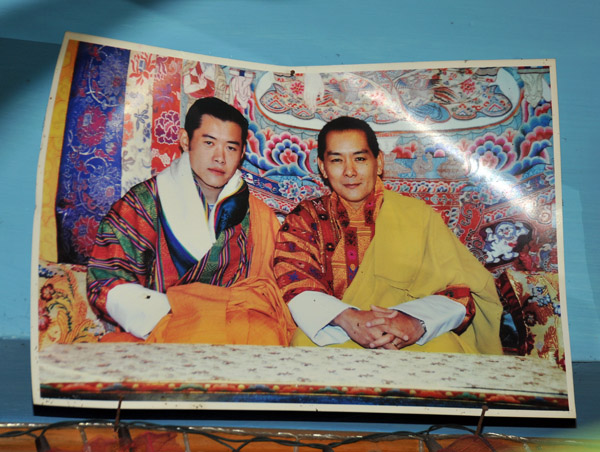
439 314
137 309
312 311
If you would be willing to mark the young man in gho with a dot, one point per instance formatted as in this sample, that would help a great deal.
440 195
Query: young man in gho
367 267
186 256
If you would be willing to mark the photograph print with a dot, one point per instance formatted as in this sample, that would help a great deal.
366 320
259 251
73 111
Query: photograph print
234 235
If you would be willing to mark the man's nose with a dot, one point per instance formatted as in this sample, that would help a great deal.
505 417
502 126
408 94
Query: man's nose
350 169
219 154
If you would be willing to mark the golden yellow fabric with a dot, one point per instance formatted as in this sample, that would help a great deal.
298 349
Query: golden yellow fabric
413 255
251 311
48 245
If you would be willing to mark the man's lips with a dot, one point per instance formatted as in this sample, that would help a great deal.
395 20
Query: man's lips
216 171
351 186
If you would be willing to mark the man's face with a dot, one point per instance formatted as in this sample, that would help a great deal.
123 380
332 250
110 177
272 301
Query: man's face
349 165
216 150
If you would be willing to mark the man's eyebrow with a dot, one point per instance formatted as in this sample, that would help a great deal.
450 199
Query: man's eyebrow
206 135
332 152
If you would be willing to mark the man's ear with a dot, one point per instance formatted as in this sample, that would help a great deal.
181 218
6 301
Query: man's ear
380 163
321 168
243 154
184 140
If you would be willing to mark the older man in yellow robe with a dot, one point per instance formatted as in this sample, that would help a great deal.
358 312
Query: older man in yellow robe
366 267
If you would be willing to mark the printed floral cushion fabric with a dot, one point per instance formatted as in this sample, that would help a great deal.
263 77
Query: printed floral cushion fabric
531 321
537 294
64 315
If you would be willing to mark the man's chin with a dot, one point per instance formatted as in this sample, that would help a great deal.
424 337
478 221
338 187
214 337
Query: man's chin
214 183
218 185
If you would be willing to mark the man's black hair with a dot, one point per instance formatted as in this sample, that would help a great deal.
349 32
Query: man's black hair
344 123
214 107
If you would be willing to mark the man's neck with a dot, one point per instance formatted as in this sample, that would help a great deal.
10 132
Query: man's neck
354 207
209 196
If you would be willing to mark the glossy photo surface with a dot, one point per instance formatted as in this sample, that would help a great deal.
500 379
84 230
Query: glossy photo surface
475 140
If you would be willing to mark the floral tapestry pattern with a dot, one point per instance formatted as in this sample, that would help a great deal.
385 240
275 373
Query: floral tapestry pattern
488 168
476 143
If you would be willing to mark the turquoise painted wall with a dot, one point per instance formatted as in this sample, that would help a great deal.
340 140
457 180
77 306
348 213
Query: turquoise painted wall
310 32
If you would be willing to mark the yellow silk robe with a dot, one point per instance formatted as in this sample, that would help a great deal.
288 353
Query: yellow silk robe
413 254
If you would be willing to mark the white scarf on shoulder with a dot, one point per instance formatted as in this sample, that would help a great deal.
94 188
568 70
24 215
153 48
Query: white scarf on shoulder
184 209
